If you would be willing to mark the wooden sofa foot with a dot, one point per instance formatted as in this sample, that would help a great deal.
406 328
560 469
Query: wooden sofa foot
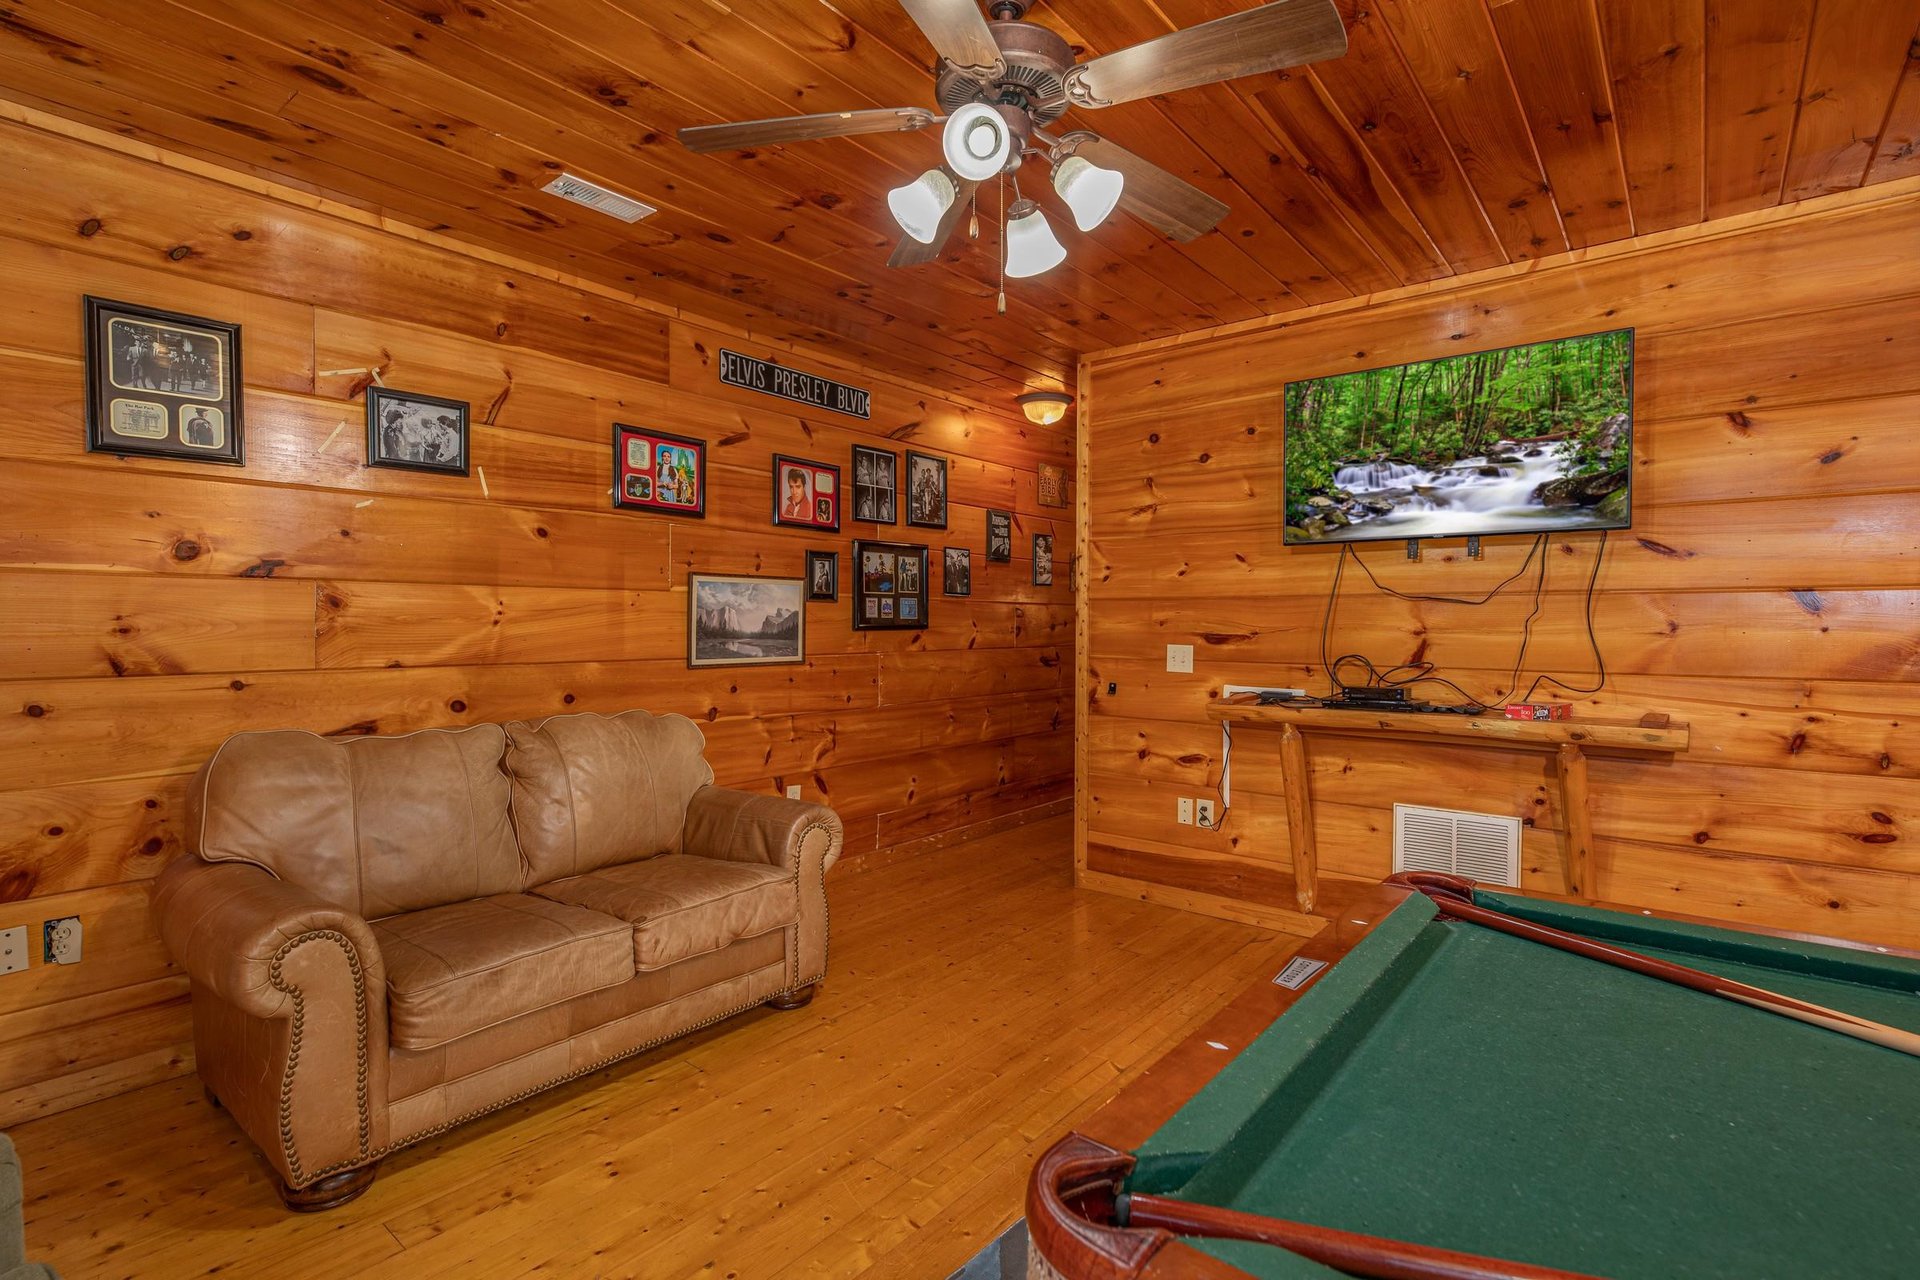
798 998
328 1193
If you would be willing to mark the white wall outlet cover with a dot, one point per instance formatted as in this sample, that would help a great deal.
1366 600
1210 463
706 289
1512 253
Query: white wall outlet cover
1180 658
793 791
62 941
13 949
1185 811
1203 812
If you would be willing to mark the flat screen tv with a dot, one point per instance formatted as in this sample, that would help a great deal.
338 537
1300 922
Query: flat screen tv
1529 439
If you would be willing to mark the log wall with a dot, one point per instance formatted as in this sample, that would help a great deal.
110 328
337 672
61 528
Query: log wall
148 608
1766 593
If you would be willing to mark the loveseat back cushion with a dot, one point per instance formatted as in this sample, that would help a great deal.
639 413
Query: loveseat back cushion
681 905
373 825
458 969
590 791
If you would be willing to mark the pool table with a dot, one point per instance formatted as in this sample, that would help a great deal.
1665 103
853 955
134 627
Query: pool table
1510 1109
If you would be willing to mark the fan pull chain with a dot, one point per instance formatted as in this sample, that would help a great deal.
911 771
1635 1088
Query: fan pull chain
973 220
1003 243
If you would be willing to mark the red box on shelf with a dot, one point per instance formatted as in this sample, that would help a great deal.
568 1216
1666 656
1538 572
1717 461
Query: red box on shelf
1539 710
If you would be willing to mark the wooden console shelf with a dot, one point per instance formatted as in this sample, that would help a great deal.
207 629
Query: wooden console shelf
1568 740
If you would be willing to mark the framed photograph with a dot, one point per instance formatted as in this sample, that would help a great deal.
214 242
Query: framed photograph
745 622
876 485
1000 537
806 494
823 575
956 577
162 384
926 490
1051 485
654 471
1042 559
889 586
416 432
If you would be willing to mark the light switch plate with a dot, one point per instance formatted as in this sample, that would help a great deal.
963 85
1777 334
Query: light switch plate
793 791
13 949
1180 658
1184 811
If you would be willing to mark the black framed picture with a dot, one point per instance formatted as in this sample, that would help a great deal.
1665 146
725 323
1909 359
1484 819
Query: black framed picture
654 471
1042 559
890 581
956 577
163 384
806 494
876 485
1000 537
926 490
416 432
823 575
737 621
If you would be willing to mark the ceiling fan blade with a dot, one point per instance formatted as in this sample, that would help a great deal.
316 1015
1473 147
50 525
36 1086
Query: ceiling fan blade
959 34
1286 33
911 253
1151 194
833 124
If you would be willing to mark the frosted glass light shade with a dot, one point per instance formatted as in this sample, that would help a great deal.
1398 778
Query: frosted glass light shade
976 142
919 206
1031 245
1090 191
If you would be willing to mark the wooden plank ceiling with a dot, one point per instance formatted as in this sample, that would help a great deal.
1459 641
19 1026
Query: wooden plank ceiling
1455 135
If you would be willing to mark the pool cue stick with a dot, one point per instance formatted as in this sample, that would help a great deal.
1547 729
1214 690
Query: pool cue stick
1355 1253
1453 902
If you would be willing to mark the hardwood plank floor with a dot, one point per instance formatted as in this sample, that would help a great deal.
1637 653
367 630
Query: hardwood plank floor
976 1004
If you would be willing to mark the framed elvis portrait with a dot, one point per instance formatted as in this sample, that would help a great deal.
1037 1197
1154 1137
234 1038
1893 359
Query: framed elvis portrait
654 471
890 581
1042 559
806 494
823 575
876 484
162 384
926 490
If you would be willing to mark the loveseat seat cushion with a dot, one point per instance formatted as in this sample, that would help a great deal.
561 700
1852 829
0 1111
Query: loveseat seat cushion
591 791
457 969
372 825
680 905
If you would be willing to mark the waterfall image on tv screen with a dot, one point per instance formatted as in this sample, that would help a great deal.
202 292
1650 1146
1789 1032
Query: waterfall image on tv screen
1530 439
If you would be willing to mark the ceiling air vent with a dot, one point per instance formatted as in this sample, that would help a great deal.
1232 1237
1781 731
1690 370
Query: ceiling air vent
595 196
1482 846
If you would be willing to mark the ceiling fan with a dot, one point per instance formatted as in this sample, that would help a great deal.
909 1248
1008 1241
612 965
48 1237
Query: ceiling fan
1001 82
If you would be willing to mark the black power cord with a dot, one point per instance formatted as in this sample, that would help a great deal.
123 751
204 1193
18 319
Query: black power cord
1593 638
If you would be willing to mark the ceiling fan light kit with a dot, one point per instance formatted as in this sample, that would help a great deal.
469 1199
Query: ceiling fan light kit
921 205
1089 191
1031 245
1001 82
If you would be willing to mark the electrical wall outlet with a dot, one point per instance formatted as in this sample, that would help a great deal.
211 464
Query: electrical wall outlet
1180 658
62 940
793 791
1185 811
13 949
1203 812
1228 690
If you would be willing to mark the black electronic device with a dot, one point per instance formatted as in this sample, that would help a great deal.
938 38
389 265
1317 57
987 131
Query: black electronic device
1373 695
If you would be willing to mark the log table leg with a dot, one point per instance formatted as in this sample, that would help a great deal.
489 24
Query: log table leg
1572 763
1306 854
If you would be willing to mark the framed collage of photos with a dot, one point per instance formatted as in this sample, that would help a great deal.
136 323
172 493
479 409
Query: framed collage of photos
926 490
162 384
806 494
890 582
416 432
654 471
876 485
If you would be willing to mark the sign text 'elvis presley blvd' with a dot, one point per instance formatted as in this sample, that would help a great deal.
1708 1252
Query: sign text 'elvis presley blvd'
737 370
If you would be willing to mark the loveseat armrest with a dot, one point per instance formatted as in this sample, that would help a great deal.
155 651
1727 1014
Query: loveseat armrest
228 924
739 826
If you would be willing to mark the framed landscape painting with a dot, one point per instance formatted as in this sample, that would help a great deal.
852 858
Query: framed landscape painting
745 622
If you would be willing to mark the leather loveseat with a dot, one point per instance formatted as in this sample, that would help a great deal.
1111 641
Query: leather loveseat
388 936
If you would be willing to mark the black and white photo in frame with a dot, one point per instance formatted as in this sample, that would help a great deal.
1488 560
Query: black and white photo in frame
417 432
1042 559
957 572
1000 537
745 621
823 575
926 490
162 384
876 485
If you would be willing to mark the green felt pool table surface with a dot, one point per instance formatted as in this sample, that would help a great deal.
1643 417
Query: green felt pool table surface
1451 1085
